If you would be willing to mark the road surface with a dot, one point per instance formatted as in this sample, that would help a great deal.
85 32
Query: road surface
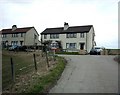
88 74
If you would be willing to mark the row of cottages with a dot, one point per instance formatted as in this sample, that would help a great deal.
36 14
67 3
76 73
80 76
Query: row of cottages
20 36
73 38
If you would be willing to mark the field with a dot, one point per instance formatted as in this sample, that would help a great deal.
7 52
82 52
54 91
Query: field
25 74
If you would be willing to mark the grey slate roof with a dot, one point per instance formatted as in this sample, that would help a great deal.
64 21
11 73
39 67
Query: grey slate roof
73 29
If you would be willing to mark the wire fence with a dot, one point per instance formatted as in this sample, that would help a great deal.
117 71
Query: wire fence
17 64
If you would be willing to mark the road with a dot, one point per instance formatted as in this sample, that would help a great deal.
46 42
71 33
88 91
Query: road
88 74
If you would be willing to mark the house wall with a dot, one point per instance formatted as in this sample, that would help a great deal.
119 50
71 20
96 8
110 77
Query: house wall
28 38
64 40
90 41
9 38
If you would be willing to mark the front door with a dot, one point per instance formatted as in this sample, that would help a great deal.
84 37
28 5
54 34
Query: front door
82 46
21 43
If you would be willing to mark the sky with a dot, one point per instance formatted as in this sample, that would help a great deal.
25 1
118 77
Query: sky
42 14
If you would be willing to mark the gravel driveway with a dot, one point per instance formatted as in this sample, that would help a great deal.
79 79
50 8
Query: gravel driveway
88 74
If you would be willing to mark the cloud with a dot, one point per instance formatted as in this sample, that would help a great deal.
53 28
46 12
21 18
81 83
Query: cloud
53 13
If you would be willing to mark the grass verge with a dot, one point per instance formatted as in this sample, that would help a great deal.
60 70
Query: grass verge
46 82
68 53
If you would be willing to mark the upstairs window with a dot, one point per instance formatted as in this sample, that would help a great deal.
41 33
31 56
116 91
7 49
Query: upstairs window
35 36
54 36
22 34
4 35
45 36
71 35
14 35
81 35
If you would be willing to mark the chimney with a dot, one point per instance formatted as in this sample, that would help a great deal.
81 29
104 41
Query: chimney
14 27
66 26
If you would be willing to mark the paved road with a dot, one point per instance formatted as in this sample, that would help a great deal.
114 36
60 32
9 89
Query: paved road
88 74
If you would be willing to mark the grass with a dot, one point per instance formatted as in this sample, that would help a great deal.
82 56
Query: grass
44 83
20 61
68 53
35 83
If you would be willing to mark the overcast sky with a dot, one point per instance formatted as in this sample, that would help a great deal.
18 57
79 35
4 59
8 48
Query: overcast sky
102 14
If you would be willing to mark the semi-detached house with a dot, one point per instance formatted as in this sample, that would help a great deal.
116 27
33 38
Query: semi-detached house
73 38
20 36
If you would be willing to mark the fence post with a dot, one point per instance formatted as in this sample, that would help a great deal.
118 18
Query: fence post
12 69
35 62
54 54
46 56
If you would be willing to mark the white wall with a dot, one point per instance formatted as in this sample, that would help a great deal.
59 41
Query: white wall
90 39
28 38
64 40
9 38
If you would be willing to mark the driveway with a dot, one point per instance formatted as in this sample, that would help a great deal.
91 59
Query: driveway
88 74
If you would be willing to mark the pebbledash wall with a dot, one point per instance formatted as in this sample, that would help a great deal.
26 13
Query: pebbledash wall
28 38
88 40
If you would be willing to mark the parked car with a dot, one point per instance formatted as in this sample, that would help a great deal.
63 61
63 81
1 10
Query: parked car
12 48
99 49
17 48
93 51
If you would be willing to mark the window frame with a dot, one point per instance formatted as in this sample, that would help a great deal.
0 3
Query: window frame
54 36
45 36
71 35
82 35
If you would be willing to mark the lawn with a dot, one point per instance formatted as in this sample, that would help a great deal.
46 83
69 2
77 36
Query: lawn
23 64
26 79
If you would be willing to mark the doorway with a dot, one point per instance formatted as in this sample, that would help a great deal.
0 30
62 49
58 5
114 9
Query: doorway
82 46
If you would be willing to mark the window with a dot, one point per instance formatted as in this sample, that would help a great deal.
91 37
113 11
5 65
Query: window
4 35
45 36
22 34
54 36
71 45
35 36
14 42
71 35
15 35
82 35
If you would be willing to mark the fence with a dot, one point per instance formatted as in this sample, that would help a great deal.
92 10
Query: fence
111 52
17 64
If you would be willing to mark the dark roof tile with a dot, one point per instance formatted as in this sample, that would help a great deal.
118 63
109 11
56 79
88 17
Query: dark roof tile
18 30
73 29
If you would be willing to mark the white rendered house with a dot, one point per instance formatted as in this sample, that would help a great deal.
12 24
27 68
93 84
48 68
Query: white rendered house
20 36
73 38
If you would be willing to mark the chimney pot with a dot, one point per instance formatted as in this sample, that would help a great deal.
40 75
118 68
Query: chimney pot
66 26
14 27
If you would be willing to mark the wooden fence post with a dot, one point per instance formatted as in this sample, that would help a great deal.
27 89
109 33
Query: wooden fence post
46 56
54 54
13 70
35 62
42 51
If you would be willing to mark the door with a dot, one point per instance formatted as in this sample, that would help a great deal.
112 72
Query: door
82 46
21 43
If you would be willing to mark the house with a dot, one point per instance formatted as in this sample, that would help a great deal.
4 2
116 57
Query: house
73 38
20 36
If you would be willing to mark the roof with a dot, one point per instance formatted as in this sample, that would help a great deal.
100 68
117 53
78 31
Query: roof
18 30
73 29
